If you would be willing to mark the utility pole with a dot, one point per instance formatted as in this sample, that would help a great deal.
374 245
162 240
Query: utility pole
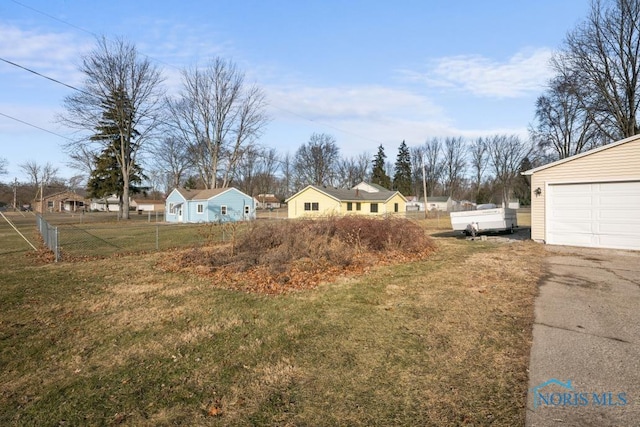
424 188
15 194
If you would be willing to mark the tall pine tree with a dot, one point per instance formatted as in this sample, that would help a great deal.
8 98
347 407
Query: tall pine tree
379 175
402 176
106 177
116 171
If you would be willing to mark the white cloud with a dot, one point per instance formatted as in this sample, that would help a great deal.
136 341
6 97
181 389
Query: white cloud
359 117
53 54
524 73
347 103
181 44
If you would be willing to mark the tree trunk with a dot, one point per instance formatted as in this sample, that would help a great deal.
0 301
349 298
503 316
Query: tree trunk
125 194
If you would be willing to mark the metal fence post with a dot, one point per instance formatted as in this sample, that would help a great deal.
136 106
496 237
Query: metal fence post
57 246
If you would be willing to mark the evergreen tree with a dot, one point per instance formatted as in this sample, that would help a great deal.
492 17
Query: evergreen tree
402 176
106 178
117 158
122 91
379 175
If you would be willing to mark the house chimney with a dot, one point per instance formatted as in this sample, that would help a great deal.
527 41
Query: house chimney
357 192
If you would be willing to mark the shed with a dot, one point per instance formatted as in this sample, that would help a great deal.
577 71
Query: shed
213 205
267 201
591 199
440 203
147 205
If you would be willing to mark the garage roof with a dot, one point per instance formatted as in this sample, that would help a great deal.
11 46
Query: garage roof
577 156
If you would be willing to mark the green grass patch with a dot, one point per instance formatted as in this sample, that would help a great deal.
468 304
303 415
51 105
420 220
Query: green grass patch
443 341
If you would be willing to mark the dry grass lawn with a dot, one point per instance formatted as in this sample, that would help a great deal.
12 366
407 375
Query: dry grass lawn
442 341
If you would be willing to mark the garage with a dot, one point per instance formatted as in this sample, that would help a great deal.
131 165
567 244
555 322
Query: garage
601 215
591 199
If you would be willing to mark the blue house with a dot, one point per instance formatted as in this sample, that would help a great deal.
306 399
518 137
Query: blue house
214 205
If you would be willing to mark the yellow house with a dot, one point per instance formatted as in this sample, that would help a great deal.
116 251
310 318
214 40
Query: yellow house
320 201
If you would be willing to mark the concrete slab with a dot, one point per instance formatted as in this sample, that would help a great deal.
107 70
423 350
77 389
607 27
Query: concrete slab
586 340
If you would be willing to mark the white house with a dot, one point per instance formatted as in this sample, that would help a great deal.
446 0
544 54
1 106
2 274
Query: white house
440 203
106 204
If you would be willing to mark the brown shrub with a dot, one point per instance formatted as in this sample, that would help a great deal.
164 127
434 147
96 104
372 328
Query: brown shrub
314 246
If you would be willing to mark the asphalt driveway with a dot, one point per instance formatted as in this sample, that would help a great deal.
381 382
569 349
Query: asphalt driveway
585 358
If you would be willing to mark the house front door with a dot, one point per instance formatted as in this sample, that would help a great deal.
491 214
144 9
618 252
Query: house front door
180 214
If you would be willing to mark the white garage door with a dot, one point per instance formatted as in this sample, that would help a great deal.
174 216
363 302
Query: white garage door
600 215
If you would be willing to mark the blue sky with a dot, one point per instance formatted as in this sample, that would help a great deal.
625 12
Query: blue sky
367 72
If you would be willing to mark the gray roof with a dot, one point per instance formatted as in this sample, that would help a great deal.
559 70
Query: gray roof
201 194
379 187
349 195
438 199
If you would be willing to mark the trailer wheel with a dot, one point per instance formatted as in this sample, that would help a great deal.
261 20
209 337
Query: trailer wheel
511 230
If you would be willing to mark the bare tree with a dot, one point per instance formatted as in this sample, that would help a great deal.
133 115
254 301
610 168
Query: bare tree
433 164
417 160
604 54
82 158
171 156
39 175
564 125
454 164
120 102
3 166
218 116
256 171
76 182
478 163
352 170
315 162
287 181
267 169
506 154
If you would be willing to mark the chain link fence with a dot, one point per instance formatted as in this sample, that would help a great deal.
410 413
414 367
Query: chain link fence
86 238
49 235
87 235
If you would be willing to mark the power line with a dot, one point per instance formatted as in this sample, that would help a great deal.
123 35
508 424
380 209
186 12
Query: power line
54 18
173 66
35 126
44 76
165 123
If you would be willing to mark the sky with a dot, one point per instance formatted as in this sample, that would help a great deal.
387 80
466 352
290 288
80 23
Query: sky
368 73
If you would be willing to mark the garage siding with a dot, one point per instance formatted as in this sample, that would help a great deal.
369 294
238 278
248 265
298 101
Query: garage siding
618 162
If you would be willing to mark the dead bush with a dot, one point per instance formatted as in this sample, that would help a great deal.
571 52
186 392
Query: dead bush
313 246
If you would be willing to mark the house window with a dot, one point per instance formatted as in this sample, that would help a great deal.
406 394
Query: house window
307 206
223 210
311 206
314 206
246 210
200 208
171 208
349 206
50 204
374 207
395 207
358 206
